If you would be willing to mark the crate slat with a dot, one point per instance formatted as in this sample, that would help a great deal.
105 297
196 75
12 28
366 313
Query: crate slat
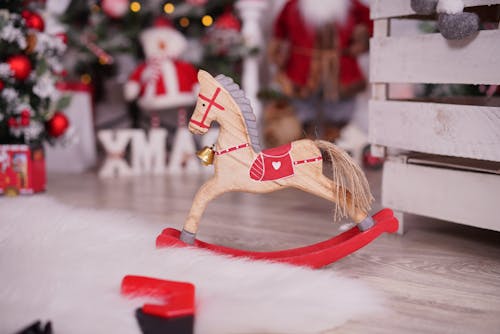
432 59
464 197
446 129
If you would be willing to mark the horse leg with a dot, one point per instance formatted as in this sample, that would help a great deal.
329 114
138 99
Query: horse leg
207 192
324 187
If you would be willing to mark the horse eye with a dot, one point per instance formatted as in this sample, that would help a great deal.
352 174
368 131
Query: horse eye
203 104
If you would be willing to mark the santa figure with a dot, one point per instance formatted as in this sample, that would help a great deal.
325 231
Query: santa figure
162 81
315 47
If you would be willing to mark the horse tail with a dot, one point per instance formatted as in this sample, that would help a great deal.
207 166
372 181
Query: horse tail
350 185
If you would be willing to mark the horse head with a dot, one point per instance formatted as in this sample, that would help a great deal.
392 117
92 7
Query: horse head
208 105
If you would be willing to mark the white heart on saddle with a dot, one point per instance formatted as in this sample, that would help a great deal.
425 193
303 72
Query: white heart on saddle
276 165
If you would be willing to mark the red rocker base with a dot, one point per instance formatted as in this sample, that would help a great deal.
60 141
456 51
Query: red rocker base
314 256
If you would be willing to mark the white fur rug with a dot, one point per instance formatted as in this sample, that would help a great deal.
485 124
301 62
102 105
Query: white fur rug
65 264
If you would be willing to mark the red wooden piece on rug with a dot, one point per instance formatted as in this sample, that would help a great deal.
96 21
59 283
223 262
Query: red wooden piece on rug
314 256
178 297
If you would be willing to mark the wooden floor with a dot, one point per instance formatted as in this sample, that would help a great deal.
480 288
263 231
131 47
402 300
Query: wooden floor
438 278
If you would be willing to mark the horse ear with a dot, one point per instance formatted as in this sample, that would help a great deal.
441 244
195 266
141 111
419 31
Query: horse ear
204 76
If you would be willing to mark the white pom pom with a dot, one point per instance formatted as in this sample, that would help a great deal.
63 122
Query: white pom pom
450 6
131 90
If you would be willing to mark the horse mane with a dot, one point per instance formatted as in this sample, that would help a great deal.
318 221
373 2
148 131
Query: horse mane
243 103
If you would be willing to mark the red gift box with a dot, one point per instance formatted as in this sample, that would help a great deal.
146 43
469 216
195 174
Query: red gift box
22 169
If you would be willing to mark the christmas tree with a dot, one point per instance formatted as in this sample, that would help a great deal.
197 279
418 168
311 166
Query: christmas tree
98 33
101 30
30 63
215 25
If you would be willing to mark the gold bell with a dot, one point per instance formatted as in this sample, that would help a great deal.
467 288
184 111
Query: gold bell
206 155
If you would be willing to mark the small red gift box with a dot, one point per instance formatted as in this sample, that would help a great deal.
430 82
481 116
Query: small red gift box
22 169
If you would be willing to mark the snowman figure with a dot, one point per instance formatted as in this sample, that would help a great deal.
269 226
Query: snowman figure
164 82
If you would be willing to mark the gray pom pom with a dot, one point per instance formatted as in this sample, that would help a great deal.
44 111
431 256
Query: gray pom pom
424 7
458 26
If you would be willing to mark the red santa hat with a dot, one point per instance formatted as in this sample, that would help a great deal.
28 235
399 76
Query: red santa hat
228 21
163 22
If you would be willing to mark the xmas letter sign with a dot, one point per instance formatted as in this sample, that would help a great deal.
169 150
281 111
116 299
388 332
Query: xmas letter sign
147 152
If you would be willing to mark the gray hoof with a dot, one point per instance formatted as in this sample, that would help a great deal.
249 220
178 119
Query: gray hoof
458 26
366 224
424 7
187 237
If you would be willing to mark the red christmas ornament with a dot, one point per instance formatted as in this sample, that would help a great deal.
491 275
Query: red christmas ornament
25 121
115 8
20 66
63 37
25 113
12 122
33 20
25 14
57 125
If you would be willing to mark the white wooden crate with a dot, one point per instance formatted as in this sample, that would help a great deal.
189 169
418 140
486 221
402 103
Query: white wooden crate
467 131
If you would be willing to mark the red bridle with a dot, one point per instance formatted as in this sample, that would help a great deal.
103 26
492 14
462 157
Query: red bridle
211 102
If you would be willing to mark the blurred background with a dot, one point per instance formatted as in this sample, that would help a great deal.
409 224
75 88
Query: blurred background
71 69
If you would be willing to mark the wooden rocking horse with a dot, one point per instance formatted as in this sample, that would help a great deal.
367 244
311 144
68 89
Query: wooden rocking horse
240 165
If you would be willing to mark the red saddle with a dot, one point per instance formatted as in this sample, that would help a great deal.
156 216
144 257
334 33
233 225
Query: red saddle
272 164
277 152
